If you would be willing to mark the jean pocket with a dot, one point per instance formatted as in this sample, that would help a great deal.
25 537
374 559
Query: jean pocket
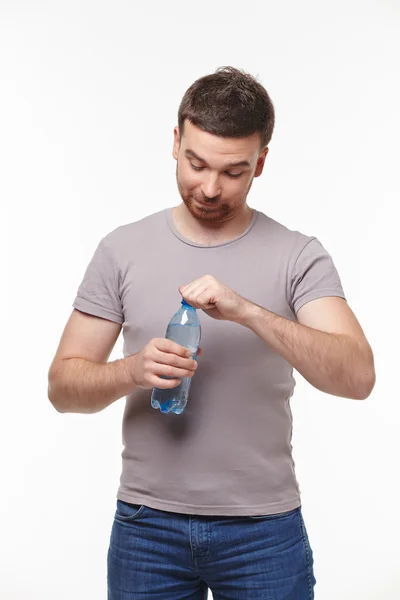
281 515
128 512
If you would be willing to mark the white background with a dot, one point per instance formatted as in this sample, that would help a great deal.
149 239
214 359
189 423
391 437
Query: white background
89 98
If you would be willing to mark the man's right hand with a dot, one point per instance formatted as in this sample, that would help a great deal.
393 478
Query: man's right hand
162 357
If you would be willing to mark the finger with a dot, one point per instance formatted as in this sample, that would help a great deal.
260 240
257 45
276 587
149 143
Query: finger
166 358
201 296
164 345
187 286
192 290
191 297
205 299
164 384
170 371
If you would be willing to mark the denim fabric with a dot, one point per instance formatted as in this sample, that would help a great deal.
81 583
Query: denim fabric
172 556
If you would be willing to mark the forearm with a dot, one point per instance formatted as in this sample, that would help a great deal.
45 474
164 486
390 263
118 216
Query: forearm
333 363
80 386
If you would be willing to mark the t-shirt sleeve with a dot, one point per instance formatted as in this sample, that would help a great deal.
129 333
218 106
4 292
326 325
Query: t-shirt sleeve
98 293
314 276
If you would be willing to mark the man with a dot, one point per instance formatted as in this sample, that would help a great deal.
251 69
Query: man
209 499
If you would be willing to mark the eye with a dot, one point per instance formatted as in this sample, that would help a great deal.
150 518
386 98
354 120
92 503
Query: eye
229 174
196 168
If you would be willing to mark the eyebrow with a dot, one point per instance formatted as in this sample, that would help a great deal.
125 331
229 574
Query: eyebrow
240 163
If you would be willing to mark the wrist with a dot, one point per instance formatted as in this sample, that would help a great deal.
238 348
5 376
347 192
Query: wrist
250 314
129 364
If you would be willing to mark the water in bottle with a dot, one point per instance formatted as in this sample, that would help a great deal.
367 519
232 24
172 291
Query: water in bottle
184 329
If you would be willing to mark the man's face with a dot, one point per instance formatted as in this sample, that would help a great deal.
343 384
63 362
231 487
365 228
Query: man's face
212 188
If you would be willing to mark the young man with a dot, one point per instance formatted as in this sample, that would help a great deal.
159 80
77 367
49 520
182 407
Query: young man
209 499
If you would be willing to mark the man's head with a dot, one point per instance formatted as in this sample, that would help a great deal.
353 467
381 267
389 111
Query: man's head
224 118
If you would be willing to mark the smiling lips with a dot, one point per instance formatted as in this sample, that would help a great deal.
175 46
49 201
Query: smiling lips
207 204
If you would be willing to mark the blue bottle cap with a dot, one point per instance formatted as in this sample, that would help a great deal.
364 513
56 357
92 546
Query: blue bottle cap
185 303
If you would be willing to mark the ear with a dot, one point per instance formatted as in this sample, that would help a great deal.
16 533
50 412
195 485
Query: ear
177 143
260 162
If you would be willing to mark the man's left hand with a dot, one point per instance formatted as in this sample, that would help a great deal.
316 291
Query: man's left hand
216 299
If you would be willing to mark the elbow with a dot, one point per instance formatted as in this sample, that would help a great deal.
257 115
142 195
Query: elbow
54 387
366 382
364 390
54 398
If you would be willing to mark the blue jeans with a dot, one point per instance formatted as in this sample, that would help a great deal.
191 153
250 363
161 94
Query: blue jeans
172 556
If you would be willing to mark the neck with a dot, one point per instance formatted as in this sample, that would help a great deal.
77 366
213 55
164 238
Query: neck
206 232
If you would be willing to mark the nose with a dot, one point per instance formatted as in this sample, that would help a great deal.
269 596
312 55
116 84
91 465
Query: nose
211 187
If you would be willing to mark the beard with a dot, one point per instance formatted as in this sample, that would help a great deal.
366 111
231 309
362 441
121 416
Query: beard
215 211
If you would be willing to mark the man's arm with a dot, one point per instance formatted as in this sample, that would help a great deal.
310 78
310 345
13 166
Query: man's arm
79 378
327 345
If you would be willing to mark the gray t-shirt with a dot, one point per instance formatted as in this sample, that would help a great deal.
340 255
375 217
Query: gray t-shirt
229 452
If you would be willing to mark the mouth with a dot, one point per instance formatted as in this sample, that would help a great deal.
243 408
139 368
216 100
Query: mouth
207 204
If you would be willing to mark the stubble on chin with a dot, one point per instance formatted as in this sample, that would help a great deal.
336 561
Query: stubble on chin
210 215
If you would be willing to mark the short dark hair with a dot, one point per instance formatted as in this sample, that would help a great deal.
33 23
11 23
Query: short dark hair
228 103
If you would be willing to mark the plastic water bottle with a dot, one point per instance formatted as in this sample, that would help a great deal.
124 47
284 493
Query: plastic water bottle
184 329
